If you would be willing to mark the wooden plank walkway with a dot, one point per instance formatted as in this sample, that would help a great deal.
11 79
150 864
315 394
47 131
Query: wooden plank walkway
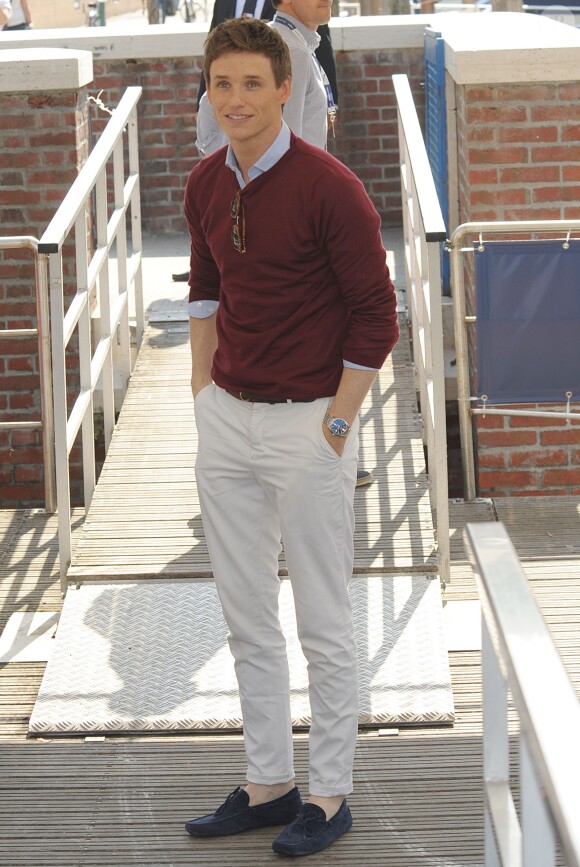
122 801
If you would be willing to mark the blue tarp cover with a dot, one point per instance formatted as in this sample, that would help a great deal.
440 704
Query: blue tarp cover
528 321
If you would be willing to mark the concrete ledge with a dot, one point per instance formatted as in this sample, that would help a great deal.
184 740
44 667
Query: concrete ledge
509 47
25 70
480 49
168 40
145 41
372 32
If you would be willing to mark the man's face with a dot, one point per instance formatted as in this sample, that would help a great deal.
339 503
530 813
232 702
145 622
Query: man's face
246 99
309 12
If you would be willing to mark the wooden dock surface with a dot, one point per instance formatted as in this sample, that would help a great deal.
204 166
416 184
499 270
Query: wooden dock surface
122 801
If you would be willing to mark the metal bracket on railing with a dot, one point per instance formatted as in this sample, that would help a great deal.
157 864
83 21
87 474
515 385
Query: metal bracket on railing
568 396
480 247
566 244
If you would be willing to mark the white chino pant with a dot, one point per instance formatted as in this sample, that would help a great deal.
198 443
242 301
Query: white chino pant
265 472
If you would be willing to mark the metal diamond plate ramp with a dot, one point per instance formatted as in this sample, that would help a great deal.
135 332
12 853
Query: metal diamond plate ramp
152 656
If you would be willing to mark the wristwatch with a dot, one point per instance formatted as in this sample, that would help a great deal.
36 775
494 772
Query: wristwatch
338 427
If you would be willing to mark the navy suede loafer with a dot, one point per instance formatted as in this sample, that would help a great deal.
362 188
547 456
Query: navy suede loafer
310 832
235 815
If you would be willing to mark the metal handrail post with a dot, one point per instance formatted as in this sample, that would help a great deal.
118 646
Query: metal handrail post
439 472
136 234
462 364
524 659
60 414
46 383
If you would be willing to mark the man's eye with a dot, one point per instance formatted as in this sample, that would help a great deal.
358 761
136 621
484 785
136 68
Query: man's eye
223 84
253 84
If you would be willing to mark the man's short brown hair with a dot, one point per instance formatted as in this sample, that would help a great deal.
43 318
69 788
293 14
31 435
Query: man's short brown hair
248 35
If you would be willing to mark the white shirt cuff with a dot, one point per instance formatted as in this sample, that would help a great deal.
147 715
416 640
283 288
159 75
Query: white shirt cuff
202 309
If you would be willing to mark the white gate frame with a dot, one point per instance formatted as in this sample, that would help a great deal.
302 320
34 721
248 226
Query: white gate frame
92 277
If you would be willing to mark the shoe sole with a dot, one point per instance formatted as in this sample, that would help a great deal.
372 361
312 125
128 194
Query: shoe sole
216 829
364 480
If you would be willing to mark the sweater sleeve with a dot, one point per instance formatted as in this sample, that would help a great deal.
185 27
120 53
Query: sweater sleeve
204 278
350 233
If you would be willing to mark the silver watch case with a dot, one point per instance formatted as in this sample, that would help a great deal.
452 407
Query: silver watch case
338 427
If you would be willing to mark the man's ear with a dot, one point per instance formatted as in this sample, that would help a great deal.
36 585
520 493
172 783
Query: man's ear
286 90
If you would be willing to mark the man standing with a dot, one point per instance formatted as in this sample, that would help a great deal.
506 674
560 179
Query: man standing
292 312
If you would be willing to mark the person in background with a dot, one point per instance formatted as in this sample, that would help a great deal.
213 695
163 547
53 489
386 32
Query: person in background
292 312
209 135
5 12
21 19
265 9
311 108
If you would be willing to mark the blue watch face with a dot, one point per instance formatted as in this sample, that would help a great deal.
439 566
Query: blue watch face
338 427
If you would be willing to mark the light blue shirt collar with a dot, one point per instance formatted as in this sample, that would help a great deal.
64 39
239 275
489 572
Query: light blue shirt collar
268 159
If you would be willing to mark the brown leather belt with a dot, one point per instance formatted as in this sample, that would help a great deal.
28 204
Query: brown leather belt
248 397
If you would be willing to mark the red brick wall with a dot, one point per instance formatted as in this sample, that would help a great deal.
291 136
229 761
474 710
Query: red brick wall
166 130
519 158
44 140
367 137
520 456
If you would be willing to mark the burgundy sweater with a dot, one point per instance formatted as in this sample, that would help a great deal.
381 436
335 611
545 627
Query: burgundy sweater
313 287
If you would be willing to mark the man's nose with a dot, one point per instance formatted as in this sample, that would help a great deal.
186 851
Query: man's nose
237 96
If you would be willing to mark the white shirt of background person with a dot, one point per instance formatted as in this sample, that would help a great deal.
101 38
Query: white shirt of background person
5 12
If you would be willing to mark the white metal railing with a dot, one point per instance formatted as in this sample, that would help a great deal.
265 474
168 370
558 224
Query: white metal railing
424 230
42 334
93 281
518 655
461 322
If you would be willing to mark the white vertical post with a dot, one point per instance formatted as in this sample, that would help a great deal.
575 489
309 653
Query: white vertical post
124 366
84 339
105 308
538 830
60 414
136 239
503 840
